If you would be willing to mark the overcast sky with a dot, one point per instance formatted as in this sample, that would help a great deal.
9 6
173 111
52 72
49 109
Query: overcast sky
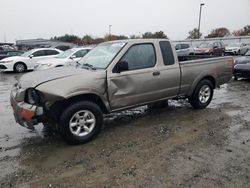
25 19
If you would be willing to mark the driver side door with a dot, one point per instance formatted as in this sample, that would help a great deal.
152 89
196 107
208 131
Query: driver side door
138 84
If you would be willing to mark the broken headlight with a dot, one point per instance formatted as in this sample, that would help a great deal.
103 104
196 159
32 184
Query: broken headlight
34 97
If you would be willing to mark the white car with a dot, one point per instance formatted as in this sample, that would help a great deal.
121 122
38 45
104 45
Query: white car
184 49
69 57
236 49
27 60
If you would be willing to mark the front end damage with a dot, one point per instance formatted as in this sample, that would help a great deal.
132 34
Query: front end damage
27 115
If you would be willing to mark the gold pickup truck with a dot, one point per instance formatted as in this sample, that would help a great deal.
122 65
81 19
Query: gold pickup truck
114 76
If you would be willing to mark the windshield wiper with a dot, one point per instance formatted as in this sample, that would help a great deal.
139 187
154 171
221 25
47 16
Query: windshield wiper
86 65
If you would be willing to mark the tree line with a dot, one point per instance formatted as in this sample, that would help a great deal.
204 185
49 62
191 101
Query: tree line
194 34
219 32
88 39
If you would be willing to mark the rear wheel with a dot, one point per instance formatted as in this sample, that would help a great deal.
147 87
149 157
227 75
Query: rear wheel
20 67
202 94
80 122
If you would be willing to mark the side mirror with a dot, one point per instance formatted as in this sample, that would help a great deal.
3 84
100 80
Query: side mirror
215 47
73 57
121 66
31 56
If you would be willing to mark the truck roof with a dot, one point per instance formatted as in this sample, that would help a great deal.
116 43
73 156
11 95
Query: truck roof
138 40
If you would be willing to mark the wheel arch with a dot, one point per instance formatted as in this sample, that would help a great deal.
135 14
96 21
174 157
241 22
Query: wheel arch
21 62
207 77
58 107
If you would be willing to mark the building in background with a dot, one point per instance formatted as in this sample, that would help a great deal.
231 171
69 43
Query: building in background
40 43
6 46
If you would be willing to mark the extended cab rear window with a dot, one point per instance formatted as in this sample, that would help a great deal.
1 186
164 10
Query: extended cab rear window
167 52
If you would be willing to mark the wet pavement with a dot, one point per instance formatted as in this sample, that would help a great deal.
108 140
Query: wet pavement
175 146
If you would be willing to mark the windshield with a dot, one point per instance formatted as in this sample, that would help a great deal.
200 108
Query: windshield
234 45
205 45
248 53
102 55
65 54
26 54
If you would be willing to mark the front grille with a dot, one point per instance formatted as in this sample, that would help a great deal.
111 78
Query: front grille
3 67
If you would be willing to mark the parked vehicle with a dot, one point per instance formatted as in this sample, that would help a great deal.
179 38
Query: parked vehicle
210 48
242 66
184 49
236 49
244 49
115 76
69 57
10 53
27 60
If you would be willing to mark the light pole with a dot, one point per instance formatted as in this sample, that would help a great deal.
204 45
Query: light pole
110 30
202 4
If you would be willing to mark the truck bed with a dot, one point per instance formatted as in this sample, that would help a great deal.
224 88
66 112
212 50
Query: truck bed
218 69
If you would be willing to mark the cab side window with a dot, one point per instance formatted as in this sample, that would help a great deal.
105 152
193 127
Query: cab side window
167 53
140 56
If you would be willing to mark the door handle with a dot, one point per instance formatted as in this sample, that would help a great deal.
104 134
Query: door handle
156 73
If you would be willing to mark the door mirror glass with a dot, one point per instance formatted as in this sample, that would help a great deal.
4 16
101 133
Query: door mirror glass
122 66
73 57
31 56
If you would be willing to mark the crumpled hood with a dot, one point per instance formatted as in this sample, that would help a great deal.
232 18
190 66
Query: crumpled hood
38 77
13 58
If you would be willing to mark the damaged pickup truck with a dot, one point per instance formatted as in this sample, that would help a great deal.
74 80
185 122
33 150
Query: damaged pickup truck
114 76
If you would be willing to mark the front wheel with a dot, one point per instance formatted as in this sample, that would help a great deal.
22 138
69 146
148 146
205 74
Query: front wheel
80 122
202 94
20 67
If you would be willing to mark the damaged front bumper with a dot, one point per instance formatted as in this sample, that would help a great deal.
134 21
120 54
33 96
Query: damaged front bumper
25 114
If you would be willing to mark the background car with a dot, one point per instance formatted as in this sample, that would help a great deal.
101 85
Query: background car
69 57
244 49
242 66
184 49
27 60
10 53
210 48
236 49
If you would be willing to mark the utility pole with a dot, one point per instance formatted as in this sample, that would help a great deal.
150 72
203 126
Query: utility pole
202 4
4 38
110 30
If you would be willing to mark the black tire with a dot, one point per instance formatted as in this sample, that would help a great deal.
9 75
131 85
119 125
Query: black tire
195 100
20 67
69 114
